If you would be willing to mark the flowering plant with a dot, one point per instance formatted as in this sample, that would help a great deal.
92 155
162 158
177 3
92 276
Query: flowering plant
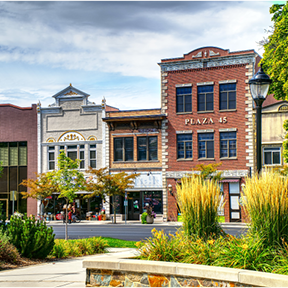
150 212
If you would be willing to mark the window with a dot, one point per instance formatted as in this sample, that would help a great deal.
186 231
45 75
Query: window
82 156
147 148
205 98
92 159
184 146
51 157
123 149
72 152
206 145
272 156
227 96
228 144
184 99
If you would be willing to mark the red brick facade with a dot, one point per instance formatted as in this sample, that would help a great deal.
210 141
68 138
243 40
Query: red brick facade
20 124
208 66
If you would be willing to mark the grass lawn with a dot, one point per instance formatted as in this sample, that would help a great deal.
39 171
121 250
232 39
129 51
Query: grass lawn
118 243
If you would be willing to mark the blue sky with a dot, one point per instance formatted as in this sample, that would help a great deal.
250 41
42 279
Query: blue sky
111 49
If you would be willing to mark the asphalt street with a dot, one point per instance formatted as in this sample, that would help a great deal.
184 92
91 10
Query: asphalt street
135 232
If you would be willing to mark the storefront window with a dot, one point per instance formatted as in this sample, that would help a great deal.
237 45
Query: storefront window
154 199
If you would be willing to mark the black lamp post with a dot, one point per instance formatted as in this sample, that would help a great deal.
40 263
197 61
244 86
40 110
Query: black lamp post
259 86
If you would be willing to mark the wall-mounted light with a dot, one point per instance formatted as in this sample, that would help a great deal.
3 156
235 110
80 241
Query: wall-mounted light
149 173
170 189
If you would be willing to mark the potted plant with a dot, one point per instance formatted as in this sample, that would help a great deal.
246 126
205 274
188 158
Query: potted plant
150 214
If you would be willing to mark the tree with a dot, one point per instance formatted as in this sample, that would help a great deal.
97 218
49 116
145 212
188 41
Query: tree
68 180
106 184
39 188
209 171
275 57
285 142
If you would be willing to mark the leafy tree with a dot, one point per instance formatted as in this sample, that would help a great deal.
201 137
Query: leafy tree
106 184
209 171
40 188
275 57
285 142
69 180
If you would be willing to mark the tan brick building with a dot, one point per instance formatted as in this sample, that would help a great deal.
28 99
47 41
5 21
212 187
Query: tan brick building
206 98
135 146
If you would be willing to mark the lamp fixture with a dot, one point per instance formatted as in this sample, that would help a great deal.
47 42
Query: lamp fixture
259 86
149 173
170 189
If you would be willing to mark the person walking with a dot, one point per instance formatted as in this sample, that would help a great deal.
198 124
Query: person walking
70 216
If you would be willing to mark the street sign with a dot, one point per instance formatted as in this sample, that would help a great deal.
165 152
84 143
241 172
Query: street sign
125 203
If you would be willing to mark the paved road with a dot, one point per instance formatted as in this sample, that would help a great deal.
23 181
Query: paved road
133 232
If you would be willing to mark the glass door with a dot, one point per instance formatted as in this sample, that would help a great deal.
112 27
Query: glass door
234 195
134 205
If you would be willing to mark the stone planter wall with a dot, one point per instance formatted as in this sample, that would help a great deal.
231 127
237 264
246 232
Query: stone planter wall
118 272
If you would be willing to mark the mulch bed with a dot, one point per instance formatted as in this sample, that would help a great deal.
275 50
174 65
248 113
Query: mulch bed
25 262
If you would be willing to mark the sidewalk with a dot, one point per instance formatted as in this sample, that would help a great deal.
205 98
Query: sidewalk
62 273
107 222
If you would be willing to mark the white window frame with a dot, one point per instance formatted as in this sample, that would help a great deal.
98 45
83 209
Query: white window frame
50 151
271 151
91 159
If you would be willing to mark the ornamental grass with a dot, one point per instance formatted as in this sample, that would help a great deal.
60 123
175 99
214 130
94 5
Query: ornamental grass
266 203
198 200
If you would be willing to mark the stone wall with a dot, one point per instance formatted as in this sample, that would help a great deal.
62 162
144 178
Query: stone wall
116 270
104 278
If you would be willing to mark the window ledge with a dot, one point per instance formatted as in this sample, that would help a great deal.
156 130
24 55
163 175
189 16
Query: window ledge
228 110
139 161
181 113
202 112
229 158
206 159
184 159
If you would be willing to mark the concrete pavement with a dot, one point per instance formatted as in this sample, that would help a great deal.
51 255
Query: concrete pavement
86 222
63 273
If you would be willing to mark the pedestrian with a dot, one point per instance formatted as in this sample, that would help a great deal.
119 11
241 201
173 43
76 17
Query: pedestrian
70 216
73 214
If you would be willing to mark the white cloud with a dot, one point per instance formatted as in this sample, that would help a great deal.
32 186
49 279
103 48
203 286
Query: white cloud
116 38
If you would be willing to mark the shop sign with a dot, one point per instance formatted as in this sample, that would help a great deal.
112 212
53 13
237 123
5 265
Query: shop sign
204 121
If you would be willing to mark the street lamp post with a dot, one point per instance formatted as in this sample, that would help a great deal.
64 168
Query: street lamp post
259 86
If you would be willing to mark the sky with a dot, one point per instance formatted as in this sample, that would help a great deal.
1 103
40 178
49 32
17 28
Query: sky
112 49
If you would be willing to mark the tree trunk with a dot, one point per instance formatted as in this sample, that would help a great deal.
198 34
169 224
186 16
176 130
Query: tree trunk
66 218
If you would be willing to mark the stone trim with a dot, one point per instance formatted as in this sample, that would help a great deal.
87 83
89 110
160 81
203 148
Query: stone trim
249 123
164 140
180 85
106 271
205 83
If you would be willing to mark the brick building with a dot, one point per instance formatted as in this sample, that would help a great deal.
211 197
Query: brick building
206 97
18 153
135 146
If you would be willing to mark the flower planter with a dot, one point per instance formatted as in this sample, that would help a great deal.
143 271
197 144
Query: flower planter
149 219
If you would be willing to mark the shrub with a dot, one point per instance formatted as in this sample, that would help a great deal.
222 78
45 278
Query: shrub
198 200
79 247
160 247
143 218
265 201
8 252
33 239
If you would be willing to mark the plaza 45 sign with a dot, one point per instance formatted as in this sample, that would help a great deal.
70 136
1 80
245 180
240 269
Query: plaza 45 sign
203 121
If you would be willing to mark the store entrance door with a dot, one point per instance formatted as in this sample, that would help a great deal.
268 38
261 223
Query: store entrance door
4 207
134 206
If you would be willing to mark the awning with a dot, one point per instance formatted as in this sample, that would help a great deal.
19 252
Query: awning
229 180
